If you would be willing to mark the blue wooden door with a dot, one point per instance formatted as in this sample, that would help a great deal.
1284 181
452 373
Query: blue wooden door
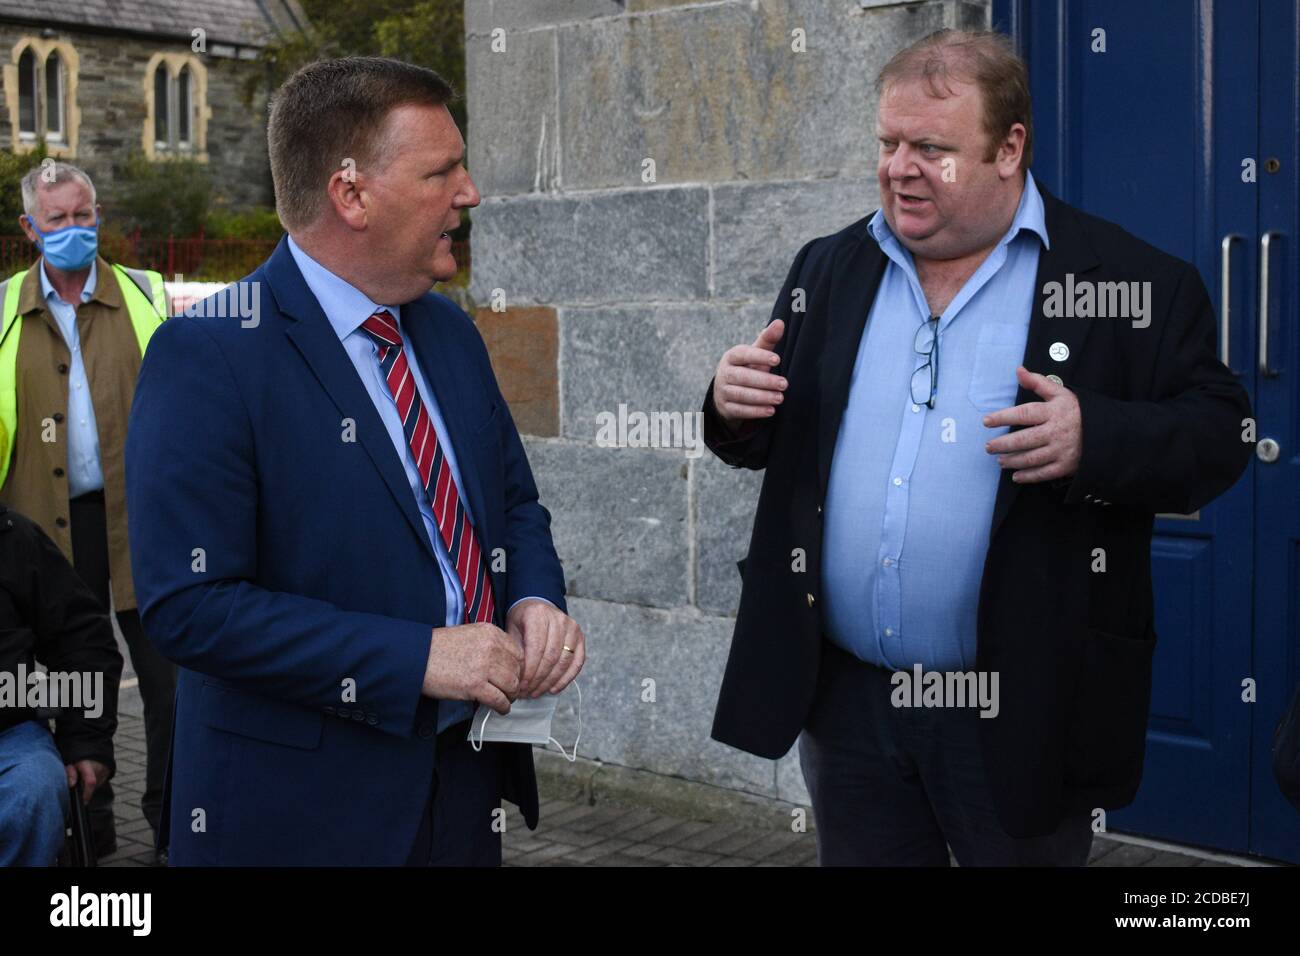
1274 340
1177 119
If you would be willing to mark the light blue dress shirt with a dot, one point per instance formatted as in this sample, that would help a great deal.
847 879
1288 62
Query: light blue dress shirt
346 307
85 473
911 490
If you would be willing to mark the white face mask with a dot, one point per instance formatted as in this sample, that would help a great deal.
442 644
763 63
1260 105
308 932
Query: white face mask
529 722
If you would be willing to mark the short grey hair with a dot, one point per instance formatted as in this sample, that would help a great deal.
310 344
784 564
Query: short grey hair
51 172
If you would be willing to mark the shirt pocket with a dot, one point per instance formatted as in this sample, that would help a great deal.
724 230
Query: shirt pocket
998 350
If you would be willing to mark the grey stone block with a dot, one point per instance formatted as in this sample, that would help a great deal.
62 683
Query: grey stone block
513 137
619 520
483 16
758 228
611 247
717 93
683 654
650 358
725 499
642 6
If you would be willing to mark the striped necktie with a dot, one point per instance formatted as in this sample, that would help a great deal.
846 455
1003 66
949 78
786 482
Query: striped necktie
435 472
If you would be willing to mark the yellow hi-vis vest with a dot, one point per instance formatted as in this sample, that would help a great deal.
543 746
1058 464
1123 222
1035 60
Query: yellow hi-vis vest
146 303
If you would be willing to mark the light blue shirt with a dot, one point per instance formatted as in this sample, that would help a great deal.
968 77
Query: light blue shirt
84 470
911 490
347 307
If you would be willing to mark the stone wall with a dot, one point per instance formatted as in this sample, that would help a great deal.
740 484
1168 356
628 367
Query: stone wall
112 100
613 290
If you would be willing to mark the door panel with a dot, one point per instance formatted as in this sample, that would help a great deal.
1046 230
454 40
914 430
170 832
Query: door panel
1275 824
1151 134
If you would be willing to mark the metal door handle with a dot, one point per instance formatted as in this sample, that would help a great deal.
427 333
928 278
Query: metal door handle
1264 242
1225 298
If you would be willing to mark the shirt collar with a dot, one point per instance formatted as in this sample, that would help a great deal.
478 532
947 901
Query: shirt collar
87 291
344 305
1029 216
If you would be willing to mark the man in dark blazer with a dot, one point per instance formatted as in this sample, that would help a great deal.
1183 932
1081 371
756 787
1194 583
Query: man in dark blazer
334 529
930 508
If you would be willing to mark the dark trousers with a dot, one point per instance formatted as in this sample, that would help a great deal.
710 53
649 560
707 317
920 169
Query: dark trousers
156 674
462 824
896 786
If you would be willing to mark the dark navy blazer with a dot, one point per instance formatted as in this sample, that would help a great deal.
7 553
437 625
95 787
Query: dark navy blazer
278 553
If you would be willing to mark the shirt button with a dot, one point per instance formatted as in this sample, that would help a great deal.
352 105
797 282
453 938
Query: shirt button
63 368
889 632
58 472
58 416
886 562
61 522
916 408
898 481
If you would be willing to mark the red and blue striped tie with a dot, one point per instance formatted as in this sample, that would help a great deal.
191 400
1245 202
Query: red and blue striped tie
453 523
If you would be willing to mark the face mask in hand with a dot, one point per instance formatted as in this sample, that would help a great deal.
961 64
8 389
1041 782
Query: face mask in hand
529 722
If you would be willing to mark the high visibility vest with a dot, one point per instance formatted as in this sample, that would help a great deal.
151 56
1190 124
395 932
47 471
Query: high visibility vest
146 303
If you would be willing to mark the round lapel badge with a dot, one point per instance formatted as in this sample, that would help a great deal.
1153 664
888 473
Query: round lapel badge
1059 351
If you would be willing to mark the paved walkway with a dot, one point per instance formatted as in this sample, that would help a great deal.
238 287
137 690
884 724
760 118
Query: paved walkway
575 834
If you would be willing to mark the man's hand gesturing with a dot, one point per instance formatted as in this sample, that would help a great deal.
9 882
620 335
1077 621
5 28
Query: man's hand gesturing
1050 445
744 388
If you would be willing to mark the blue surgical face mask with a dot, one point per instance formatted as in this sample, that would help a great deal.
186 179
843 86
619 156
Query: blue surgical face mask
70 248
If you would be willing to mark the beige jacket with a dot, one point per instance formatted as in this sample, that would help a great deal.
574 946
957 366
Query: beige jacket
37 483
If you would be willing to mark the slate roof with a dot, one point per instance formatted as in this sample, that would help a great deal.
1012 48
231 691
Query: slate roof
243 22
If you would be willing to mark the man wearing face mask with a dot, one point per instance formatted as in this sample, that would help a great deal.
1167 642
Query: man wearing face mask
74 330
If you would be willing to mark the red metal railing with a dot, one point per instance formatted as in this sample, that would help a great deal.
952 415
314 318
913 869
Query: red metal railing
196 258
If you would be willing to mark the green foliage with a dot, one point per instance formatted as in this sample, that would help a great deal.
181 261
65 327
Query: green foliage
256 222
13 166
429 33
166 197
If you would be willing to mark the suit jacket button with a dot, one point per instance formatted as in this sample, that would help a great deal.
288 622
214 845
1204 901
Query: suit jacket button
426 730
811 599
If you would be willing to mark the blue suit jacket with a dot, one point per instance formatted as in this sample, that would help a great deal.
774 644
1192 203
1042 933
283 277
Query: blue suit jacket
275 559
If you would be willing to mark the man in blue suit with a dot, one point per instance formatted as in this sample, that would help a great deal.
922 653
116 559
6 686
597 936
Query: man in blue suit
334 528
